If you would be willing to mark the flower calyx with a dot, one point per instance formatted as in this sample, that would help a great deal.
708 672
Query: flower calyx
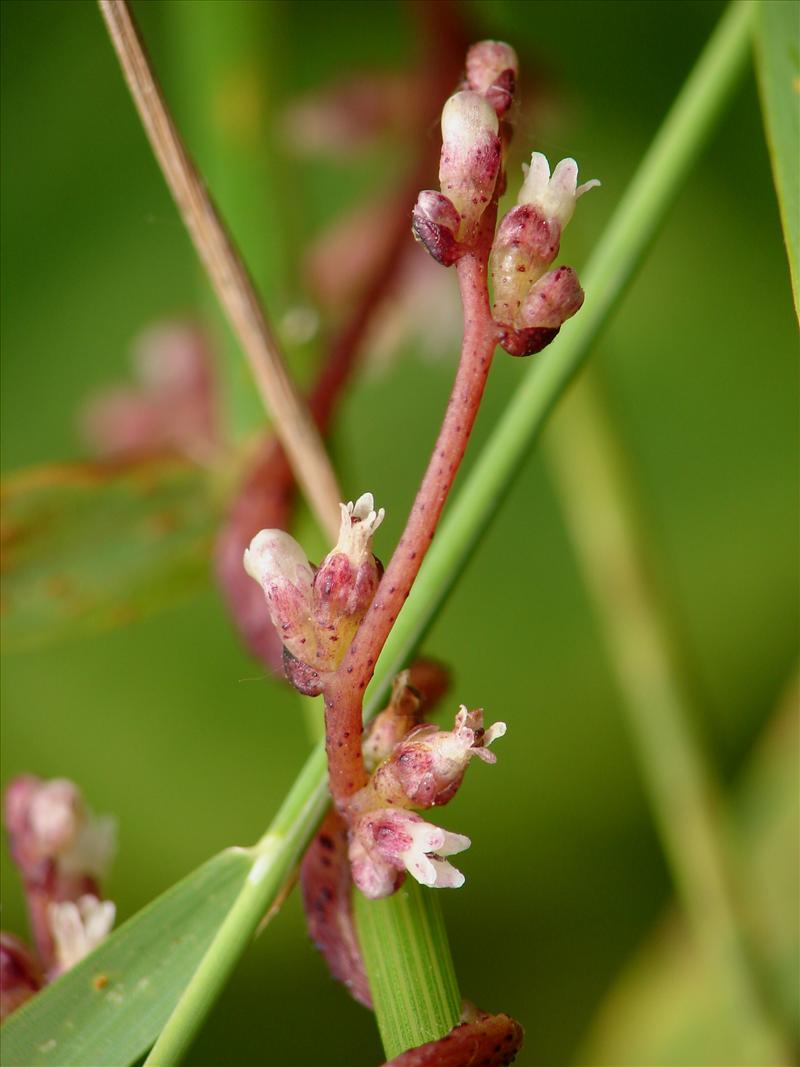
317 610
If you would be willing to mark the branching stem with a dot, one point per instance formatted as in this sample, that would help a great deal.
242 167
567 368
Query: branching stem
345 689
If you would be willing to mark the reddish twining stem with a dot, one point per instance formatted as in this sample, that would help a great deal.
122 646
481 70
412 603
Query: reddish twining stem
344 690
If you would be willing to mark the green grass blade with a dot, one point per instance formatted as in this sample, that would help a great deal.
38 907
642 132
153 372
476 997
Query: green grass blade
399 935
90 546
110 1008
778 65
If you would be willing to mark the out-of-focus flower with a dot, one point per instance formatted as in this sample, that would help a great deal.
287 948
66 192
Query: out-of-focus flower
20 974
78 927
170 407
60 848
351 114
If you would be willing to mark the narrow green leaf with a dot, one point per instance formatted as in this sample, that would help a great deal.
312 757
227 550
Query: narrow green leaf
90 546
110 1008
778 64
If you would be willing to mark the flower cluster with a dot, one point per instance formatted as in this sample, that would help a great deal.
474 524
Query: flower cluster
316 611
447 222
530 301
420 767
62 851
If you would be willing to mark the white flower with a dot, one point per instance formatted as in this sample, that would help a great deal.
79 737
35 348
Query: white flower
384 840
358 524
65 829
423 858
79 927
555 196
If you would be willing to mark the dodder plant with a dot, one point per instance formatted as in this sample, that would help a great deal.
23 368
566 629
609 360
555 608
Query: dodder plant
336 620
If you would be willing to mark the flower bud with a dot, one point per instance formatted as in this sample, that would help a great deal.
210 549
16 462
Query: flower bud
20 974
470 159
552 300
277 562
553 197
427 768
384 841
346 582
435 224
525 245
492 69
391 725
525 342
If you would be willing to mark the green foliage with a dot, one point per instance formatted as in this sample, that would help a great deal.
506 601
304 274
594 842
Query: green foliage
88 547
110 1008
778 55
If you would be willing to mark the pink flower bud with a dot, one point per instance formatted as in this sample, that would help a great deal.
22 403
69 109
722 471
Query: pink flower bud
278 563
346 582
20 974
470 159
385 840
435 223
391 725
554 299
427 768
492 69
525 245
553 196
525 342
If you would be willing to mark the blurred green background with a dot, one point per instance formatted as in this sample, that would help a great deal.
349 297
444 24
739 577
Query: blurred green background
167 723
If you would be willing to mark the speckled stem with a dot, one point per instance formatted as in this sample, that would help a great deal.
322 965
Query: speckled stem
344 690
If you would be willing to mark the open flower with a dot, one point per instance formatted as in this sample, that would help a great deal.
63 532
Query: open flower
529 300
554 196
384 841
428 766
316 611
78 927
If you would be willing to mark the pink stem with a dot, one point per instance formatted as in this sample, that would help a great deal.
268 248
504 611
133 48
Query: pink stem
344 690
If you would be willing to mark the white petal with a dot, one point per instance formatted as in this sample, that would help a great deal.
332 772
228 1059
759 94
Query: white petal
274 555
497 729
447 876
464 117
419 866
453 843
